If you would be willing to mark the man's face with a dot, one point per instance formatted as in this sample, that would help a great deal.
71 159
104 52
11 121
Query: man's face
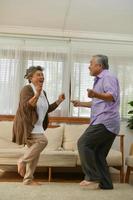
94 67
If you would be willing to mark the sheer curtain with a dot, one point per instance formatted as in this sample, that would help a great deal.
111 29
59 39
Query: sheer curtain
52 56
80 82
121 65
11 71
65 64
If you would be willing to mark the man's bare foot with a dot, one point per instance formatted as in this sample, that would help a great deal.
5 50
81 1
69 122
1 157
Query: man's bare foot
21 168
90 184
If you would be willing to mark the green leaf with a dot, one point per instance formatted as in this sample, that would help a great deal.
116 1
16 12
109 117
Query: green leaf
131 103
130 112
130 120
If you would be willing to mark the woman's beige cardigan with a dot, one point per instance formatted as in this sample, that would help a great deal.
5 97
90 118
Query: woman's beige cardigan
26 116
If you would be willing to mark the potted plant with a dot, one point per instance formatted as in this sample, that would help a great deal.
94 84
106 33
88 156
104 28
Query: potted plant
130 120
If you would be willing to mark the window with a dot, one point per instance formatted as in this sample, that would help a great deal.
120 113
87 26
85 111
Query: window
8 82
81 81
65 69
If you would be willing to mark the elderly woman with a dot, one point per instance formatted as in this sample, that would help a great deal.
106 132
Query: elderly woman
31 121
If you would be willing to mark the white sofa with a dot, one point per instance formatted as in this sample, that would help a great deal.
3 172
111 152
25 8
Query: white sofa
61 150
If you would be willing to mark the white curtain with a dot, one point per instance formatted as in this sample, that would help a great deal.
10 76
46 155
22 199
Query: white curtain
11 81
121 65
80 82
65 66
14 60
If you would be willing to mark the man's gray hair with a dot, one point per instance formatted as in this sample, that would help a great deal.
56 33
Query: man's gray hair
103 60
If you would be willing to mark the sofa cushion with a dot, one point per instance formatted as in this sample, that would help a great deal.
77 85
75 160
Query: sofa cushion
6 135
114 158
57 159
71 135
6 144
129 161
54 136
9 156
6 130
9 153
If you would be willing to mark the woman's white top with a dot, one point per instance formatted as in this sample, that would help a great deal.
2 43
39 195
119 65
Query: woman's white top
42 108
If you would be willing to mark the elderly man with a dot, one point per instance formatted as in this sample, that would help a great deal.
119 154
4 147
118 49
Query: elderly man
95 143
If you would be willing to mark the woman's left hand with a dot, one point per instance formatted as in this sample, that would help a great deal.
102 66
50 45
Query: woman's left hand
60 98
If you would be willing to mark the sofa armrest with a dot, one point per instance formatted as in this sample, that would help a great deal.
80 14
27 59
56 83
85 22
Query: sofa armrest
131 149
121 136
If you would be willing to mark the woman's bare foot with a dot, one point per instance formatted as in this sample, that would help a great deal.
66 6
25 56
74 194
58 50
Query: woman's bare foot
34 183
21 168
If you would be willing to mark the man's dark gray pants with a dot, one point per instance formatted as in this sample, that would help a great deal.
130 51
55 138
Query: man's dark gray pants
93 147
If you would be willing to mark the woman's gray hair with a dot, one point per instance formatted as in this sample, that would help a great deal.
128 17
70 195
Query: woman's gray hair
31 70
103 60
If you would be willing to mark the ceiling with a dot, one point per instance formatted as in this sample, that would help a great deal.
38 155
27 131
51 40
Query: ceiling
106 16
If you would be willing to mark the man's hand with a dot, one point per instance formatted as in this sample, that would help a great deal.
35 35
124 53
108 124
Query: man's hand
91 93
103 96
76 103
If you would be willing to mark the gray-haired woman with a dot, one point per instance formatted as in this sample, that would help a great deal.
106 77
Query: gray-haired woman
31 121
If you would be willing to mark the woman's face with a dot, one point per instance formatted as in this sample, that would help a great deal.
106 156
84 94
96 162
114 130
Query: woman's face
37 78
